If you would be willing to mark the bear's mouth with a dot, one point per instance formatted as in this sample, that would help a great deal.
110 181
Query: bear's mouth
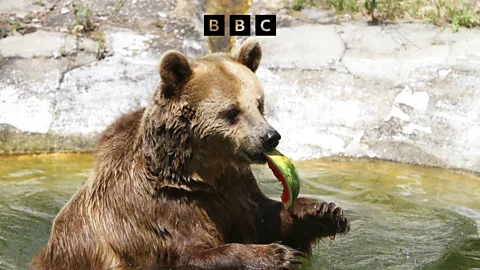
258 158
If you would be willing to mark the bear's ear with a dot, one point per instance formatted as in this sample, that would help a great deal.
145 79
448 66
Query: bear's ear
175 71
250 54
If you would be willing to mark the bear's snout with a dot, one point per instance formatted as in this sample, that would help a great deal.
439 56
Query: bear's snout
271 139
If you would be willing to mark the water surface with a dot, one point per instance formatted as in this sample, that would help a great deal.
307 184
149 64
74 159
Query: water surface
402 216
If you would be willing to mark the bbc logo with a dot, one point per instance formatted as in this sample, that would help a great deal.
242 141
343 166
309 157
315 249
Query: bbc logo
265 25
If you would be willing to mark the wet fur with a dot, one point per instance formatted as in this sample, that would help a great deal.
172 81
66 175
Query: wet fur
157 197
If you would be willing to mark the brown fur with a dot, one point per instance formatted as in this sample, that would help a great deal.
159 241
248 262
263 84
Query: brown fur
172 185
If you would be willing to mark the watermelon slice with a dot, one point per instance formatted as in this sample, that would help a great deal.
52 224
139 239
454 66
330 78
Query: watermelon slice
286 173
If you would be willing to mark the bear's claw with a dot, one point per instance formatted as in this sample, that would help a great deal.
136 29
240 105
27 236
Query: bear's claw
321 219
296 252
295 261
284 257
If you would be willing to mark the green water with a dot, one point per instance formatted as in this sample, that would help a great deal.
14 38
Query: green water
402 217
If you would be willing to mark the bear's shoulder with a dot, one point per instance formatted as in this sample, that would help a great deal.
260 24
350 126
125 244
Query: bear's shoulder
121 133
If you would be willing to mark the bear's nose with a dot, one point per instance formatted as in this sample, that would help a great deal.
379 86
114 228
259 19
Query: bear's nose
271 139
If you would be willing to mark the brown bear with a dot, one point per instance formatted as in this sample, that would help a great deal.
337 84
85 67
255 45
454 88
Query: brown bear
172 184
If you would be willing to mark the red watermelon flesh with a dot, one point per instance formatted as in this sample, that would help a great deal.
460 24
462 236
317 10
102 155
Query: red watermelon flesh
286 173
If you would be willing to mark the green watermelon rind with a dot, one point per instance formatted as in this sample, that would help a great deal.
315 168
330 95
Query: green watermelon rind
289 173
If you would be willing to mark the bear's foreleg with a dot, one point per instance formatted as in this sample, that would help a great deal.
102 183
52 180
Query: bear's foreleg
301 225
238 256
312 220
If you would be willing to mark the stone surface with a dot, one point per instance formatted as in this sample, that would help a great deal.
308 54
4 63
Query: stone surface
431 121
312 49
22 6
393 52
319 15
93 95
27 92
43 43
403 92
271 5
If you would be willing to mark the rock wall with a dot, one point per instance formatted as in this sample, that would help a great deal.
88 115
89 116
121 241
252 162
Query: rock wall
403 92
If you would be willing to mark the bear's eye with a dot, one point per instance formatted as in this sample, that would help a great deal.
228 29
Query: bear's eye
260 106
232 114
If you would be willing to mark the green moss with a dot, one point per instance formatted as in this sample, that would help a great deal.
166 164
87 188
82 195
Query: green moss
83 20
14 26
39 3
463 17
298 5
3 32
119 6
343 6
457 13
99 38
8 27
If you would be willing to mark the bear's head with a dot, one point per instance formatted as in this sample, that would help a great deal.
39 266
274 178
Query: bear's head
220 99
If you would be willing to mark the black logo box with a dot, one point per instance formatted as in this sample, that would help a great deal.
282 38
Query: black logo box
240 25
